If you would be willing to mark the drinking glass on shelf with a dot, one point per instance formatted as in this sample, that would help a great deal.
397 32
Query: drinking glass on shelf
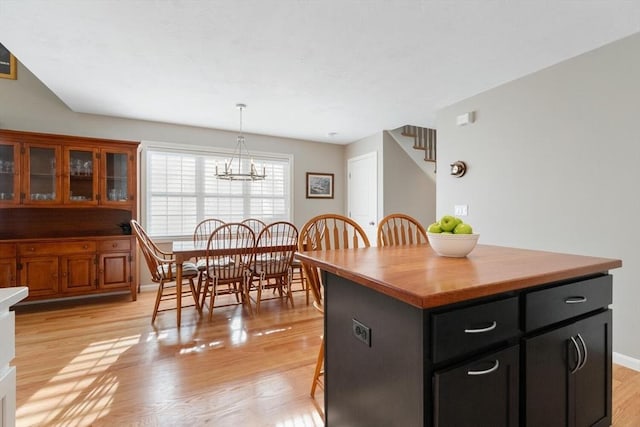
76 166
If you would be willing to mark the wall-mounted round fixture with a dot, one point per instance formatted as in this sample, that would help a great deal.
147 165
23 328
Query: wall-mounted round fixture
458 169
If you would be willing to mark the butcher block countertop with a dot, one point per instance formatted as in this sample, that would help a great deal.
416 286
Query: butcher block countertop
418 276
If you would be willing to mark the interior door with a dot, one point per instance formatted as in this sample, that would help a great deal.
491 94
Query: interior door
362 178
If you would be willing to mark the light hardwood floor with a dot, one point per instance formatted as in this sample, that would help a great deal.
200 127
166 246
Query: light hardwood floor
101 363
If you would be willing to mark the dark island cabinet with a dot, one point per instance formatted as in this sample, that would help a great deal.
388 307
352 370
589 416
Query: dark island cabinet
484 389
568 374
535 357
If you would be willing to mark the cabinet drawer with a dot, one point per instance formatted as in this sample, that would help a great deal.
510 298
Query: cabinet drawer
484 391
7 250
465 330
115 245
563 302
57 248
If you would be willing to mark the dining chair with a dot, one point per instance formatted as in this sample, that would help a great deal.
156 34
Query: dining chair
228 259
272 264
205 227
322 233
163 268
255 224
201 233
398 229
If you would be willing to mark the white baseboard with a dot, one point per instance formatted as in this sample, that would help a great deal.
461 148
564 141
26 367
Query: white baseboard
626 361
150 287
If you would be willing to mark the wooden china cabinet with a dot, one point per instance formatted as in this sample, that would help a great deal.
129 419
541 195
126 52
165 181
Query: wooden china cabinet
65 206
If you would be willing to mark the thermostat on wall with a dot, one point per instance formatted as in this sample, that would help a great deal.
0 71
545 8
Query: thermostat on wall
465 119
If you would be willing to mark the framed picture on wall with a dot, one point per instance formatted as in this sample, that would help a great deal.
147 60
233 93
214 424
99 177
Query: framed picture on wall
319 185
7 64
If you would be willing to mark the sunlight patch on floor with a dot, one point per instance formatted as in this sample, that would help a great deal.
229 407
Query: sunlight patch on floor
301 420
82 391
273 331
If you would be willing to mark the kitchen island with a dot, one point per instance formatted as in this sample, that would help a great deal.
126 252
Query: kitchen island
503 337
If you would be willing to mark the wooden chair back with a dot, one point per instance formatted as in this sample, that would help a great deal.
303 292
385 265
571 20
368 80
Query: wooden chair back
255 224
399 229
282 240
275 248
161 264
328 232
204 229
234 262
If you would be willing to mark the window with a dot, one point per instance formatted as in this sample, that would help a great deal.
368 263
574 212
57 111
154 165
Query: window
182 190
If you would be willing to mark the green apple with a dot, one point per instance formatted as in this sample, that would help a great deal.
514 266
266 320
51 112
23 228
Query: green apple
447 232
448 223
434 228
463 228
458 221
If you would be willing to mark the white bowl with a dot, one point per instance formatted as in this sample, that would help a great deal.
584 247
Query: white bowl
453 245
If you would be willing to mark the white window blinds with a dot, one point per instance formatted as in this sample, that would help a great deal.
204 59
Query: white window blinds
182 190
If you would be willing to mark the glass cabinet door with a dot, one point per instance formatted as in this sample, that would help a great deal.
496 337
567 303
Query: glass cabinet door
116 171
9 173
42 177
81 174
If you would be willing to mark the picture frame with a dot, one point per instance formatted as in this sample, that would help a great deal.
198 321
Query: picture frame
319 185
8 66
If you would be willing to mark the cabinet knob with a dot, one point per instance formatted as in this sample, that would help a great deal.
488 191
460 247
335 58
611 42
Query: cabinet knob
114 245
32 249
85 246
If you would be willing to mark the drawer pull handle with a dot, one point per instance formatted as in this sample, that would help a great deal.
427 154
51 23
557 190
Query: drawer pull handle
586 353
575 300
494 368
578 355
481 330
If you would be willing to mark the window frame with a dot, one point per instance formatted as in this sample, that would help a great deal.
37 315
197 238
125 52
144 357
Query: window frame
145 194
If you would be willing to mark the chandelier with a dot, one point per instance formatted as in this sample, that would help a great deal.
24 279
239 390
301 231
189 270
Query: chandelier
233 168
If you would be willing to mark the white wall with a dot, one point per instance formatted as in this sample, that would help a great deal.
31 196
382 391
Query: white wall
553 165
407 188
26 104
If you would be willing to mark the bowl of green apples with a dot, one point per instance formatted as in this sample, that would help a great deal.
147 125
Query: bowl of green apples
451 237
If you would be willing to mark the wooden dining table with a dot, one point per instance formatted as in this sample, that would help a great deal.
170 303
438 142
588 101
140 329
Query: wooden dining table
184 250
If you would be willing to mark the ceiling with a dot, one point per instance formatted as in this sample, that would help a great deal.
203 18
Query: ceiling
330 71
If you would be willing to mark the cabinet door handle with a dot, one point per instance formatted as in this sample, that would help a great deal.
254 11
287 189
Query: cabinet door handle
585 354
496 365
575 300
481 330
578 355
